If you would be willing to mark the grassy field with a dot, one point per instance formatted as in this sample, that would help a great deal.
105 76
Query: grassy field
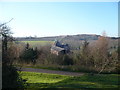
43 80
38 43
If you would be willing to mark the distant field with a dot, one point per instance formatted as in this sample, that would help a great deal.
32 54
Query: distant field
38 43
74 44
43 80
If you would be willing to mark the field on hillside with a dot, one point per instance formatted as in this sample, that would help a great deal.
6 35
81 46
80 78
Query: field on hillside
43 80
74 44
38 43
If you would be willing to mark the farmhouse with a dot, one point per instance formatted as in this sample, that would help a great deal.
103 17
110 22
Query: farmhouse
58 48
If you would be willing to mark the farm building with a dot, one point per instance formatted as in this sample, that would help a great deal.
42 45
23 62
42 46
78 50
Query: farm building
58 48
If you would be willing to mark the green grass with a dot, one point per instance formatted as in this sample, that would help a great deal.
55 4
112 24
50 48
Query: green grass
38 42
34 77
43 80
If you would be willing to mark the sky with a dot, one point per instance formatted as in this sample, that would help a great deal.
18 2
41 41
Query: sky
60 18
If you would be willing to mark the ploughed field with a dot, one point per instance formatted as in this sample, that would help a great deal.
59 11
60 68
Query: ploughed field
45 80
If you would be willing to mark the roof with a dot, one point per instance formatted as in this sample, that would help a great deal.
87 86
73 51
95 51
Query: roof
57 48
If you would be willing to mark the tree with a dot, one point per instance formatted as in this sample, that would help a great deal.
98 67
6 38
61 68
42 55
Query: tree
100 52
29 54
85 53
27 46
10 76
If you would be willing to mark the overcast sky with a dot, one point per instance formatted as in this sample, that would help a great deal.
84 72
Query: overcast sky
60 18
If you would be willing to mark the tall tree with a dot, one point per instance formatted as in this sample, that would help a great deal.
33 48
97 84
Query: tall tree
6 37
85 52
10 77
101 52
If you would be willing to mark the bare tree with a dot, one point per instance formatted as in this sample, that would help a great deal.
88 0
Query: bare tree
100 52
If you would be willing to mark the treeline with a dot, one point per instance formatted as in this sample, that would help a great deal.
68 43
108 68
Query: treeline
90 58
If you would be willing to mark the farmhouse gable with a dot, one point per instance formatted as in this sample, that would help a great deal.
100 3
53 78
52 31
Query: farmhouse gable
58 48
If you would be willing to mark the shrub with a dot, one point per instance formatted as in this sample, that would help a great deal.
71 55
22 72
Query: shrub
29 55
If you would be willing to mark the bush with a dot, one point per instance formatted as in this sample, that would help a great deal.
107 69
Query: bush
64 60
11 78
29 55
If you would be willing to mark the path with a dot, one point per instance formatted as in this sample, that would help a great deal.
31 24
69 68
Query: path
52 71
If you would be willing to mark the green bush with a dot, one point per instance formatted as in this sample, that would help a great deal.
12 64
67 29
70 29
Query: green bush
29 55
64 60
11 78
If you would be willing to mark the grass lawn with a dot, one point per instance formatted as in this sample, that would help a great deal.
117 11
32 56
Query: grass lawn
43 80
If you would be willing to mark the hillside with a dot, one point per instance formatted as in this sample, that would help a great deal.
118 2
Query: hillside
62 37
75 41
67 37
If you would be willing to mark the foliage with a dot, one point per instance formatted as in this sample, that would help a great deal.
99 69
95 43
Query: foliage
95 57
29 54
65 60
10 77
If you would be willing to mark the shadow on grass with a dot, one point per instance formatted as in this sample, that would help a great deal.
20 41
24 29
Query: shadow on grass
83 82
